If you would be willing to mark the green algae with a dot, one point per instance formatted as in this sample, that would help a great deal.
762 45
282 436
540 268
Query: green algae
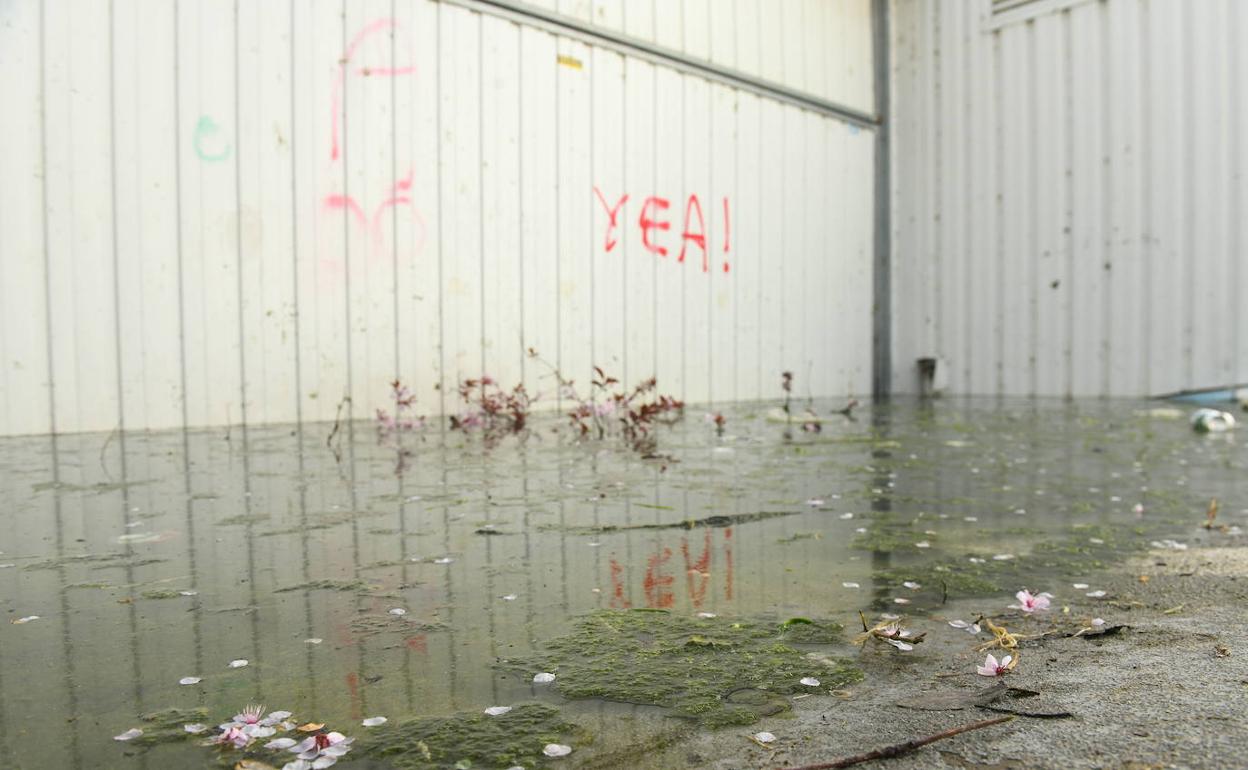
712 670
160 594
166 725
469 739
356 585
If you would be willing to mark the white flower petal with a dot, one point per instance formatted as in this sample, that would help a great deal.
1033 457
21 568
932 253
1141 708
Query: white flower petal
847 516
298 764
543 678
900 600
195 728
128 735
238 663
1095 594
809 681
313 640
374 721
27 619
764 737
443 560
706 615
850 585
509 598
280 743
1003 557
1080 586
398 611
497 711
903 646
190 680
188 593
922 544
556 750
323 761
913 586
276 716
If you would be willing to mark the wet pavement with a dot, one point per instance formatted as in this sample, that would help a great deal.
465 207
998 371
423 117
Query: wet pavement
366 577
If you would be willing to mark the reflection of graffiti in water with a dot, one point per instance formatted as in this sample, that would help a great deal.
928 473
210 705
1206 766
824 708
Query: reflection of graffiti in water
657 580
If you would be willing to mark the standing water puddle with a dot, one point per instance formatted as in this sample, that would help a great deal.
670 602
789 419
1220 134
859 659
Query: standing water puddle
437 582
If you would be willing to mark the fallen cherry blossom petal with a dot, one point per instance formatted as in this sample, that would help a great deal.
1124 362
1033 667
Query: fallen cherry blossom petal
706 614
900 600
128 735
1080 586
764 737
22 621
188 593
543 678
510 598
497 711
1003 557
313 640
374 721
556 750
922 544
443 560
398 612
1095 594
241 662
851 585
913 586
809 681
847 516
280 743
190 680
195 728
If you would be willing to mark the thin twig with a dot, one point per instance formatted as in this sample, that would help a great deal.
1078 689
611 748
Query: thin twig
902 748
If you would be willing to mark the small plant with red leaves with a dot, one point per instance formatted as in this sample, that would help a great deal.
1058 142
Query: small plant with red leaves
489 407
404 418
634 411
718 419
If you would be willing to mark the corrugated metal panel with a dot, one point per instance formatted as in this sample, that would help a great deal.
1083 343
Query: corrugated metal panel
1066 194
222 211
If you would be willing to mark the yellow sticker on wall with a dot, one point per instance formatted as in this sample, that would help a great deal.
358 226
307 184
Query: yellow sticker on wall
570 61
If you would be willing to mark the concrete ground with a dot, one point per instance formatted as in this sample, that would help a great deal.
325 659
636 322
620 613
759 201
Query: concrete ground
1169 691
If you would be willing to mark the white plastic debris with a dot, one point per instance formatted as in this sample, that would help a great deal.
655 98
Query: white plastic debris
128 735
240 663
497 711
556 750
190 680
1212 421
543 678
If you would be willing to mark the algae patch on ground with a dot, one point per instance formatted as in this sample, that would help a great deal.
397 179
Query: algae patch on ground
468 739
714 670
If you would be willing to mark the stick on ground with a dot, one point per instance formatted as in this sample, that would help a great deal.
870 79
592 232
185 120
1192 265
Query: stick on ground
902 748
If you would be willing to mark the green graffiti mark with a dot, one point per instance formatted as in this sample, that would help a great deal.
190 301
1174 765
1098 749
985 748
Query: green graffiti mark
206 133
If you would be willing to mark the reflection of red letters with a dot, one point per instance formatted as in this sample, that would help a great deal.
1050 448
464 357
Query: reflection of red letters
611 213
699 238
726 233
728 557
697 572
656 583
618 601
648 224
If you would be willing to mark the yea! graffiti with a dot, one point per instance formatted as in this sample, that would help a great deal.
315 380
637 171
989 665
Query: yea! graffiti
653 220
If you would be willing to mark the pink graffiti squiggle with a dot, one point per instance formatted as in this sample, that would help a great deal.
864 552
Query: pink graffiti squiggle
379 25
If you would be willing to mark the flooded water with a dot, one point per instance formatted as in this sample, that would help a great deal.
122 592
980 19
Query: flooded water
365 579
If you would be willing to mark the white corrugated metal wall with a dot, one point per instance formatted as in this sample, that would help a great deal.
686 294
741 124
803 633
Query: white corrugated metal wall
1067 202
234 210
